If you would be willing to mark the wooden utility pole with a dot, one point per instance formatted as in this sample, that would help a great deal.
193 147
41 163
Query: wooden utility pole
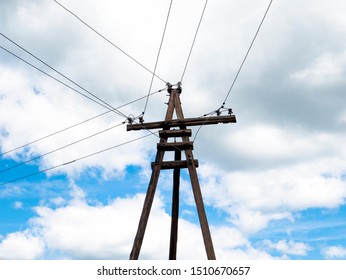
181 123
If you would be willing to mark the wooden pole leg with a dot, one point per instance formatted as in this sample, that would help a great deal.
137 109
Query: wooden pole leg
175 209
208 243
149 198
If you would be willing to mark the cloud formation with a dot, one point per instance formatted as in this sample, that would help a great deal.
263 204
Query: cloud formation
335 252
80 230
284 156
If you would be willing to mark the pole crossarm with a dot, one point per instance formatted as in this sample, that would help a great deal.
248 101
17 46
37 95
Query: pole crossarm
183 122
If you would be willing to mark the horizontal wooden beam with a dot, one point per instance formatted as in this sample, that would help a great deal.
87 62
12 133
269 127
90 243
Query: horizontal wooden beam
183 122
174 146
174 164
175 133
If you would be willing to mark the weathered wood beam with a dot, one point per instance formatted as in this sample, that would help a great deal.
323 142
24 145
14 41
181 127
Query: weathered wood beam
175 133
174 164
149 198
175 146
183 122
175 210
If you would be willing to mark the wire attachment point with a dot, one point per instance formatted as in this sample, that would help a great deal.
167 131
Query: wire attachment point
179 89
169 87
130 119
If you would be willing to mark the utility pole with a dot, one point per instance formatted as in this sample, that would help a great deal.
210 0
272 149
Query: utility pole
185 145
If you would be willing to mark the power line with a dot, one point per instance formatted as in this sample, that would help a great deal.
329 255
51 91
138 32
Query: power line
248 51
61 148
157 58
110 42
193 42
54 133
52 77
70 80
77 124
73 161
113 109
222 108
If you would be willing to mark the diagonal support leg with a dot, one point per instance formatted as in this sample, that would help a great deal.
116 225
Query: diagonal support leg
149 198
137 244
208 243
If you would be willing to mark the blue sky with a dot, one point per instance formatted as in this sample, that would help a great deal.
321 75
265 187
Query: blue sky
274 183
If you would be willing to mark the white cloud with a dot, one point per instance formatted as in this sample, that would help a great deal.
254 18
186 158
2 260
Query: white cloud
288 247
21 245
244 254
325 70
9 191
79 230
18 205
53 115
107 231
229 238
335 252
283 156
252 221
58 201
253 199
273 144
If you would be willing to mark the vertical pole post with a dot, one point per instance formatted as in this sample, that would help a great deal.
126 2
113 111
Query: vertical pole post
175 210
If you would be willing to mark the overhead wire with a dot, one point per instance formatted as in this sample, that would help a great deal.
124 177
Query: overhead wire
75 125
248 51
61 148
74 160
154 75
211 114
103 104
107 105
239 70
194 40
107 40
157 58
77 91
52 77
54 133
99 102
